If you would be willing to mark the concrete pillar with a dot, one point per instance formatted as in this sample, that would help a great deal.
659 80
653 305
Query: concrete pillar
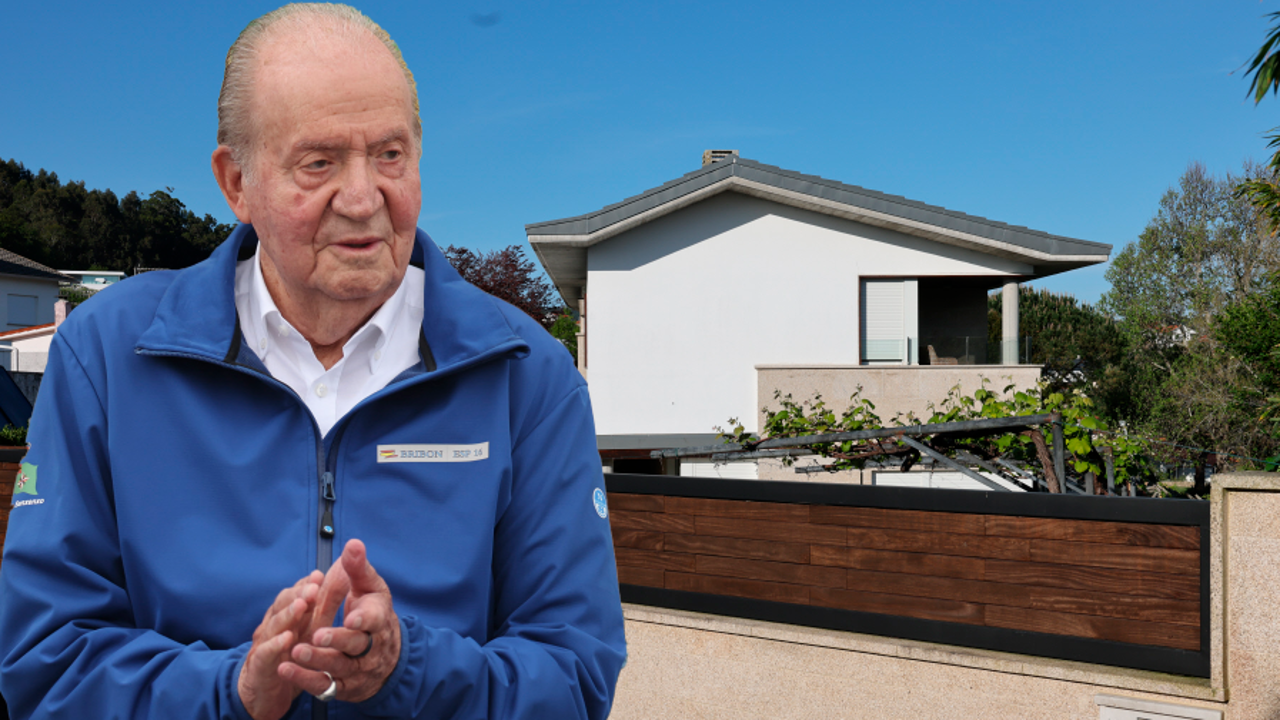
1009 325
1245 541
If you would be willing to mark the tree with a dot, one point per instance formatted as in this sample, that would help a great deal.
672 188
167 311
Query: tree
1079 346
1263 191
565 329
508 275
1210 400
70 226
1250 332
1206 248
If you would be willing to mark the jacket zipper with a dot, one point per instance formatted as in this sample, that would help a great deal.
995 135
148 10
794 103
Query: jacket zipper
324 546
327 499
328 484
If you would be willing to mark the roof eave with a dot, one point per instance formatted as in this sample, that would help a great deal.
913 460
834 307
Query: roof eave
36 275
570 277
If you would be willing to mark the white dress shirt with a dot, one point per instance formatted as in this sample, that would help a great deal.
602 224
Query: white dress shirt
380 350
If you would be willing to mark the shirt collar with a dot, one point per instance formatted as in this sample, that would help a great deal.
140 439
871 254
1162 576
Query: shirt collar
380 327
268 321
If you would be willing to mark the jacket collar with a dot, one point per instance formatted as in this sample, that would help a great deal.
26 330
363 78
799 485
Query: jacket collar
197 315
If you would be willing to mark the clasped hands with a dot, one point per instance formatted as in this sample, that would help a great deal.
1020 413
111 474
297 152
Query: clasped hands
297 649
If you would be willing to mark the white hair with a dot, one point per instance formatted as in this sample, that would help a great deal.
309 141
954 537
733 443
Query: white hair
235 120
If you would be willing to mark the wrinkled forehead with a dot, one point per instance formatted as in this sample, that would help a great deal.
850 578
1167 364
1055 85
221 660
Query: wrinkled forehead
324 58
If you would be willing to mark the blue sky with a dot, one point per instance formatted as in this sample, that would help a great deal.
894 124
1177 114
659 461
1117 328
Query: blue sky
1071 118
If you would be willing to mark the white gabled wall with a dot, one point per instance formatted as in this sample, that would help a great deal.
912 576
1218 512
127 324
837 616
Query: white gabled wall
683 308
26 301
30 354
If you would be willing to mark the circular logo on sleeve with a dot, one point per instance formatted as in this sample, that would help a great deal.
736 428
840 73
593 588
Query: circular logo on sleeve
602 506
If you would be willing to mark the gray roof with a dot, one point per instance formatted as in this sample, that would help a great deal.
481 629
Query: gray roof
561 244
11 263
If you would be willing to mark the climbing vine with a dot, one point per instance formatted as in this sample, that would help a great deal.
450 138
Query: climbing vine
1087 437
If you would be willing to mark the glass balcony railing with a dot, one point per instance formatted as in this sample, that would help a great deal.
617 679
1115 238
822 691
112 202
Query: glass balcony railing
971 350
944 350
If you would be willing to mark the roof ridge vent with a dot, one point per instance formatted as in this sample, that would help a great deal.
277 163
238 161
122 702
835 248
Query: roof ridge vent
710 156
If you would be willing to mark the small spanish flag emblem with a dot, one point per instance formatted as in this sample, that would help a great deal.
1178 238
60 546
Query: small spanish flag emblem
387 453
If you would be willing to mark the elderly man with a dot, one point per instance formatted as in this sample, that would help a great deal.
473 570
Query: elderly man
325 381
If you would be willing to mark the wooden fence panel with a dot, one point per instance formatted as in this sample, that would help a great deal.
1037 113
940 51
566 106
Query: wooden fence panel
1081 577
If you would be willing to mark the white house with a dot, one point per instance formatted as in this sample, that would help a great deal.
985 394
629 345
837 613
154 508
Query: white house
28 291
701 297
26 350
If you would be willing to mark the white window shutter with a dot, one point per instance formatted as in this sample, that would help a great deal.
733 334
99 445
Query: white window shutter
883 320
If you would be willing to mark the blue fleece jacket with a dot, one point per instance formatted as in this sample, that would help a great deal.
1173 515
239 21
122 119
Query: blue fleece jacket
175 488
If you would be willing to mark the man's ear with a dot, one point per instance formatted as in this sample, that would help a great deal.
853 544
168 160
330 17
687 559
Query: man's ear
231 180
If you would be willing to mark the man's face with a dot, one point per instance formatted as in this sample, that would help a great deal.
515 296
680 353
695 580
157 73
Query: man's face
334 194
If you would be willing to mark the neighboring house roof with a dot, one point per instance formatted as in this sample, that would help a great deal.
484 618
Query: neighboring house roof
95 273
11 263
561 244
24 333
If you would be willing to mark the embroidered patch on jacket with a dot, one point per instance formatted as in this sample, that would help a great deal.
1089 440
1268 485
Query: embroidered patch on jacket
602 504
25 484
433 453
26 480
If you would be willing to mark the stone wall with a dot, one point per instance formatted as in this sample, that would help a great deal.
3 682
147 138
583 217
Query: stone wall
684 665
894 390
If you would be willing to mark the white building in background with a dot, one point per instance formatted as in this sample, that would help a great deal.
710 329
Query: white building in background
28 291
26 350
94 279
701 297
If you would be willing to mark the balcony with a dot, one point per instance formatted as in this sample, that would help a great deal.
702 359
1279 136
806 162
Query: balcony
897 387
942 350
970 350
